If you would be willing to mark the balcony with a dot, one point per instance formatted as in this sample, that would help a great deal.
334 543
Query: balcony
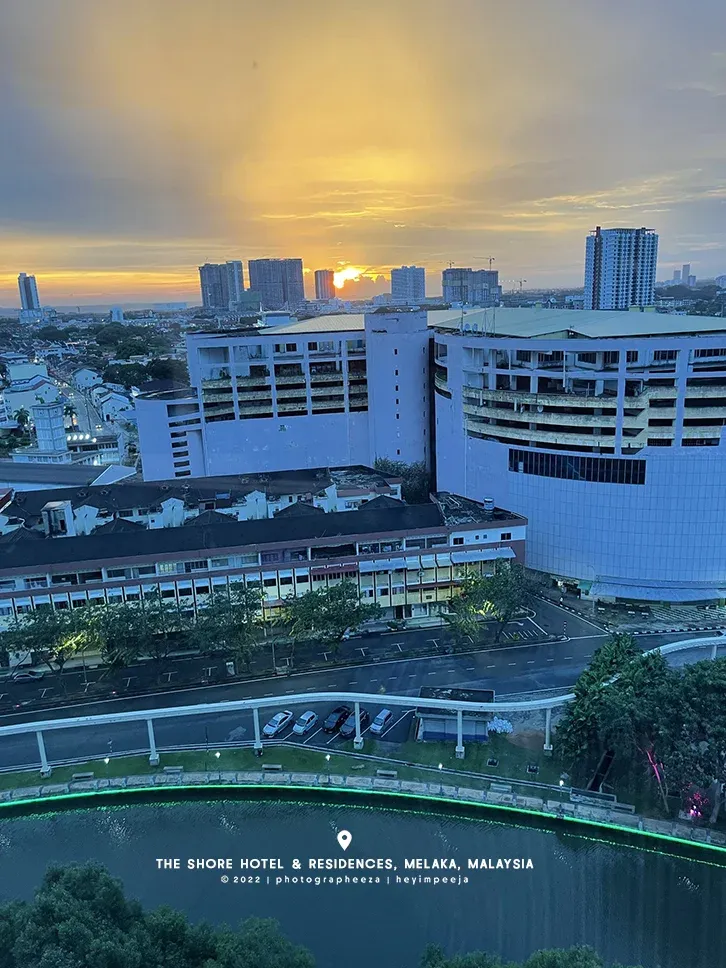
497 432
283 380
326 377
288 407
252 380
246 395
557 419
327 391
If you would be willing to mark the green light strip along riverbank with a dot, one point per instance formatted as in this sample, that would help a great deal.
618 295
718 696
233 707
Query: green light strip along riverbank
710 846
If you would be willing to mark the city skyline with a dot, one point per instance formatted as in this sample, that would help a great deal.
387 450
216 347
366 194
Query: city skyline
114 192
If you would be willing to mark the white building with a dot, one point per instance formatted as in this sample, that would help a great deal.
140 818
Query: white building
294 395
25 394
620 268
408 285
603 429
84 378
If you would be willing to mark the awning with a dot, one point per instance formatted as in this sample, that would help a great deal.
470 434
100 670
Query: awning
301 571
366 567
656 593
483 554
443 561
413 564
285 573
428 561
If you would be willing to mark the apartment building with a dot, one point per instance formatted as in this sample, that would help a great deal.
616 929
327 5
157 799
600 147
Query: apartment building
407 558
620 268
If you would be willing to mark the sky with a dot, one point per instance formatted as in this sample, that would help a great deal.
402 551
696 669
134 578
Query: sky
140 139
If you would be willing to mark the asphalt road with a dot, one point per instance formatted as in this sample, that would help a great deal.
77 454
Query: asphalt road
509 670
547 619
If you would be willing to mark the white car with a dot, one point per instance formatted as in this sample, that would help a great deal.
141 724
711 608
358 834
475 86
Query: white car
382 721
27 675
305 723
276 725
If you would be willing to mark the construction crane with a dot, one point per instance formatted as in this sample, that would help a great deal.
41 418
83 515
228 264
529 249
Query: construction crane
491 259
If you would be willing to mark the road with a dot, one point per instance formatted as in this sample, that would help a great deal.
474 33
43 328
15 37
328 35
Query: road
509 670
88 419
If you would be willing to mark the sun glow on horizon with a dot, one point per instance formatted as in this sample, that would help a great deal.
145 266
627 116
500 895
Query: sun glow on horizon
347 274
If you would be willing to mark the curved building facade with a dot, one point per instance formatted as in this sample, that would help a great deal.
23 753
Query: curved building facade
606 431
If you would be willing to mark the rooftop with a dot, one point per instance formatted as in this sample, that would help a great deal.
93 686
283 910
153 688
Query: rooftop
23 548
525 322
17 474
460 510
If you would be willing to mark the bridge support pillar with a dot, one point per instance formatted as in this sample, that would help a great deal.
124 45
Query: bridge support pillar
45 769
548 730
153 754
460 735
258 737
358 741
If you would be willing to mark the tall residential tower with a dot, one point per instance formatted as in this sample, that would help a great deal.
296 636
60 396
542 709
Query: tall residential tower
408 284
620 268
278 281
222 284
29 299
324 284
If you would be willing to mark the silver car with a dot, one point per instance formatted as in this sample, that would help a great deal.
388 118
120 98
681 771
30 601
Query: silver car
276 725
305 723
382 721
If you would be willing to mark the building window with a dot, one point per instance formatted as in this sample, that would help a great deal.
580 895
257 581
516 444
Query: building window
505 536
603 470
395 352
286 581
665 356
269 582
632 356
382 592
395 372
458 541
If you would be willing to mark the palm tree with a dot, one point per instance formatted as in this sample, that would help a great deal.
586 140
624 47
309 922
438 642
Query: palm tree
70 411
22 417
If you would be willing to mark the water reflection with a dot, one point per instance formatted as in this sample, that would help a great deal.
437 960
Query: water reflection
634 906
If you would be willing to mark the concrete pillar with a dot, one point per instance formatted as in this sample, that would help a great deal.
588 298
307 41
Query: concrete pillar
258 737
358 741
459 735
45 770
153 755
548 730
714 649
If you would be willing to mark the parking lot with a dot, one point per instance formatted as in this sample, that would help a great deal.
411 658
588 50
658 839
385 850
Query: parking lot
397 731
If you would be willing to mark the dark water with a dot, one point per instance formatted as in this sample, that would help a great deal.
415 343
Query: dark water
632 905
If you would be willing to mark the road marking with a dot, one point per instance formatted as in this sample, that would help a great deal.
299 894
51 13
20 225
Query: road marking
491 667
550 660
512 663
530 662
312 735
471 669
537 626
399 646
392 678
400 719
373 680
268 695
434 641
566 656
431 673
412 675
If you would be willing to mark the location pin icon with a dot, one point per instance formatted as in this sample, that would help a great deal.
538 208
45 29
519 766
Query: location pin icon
344 839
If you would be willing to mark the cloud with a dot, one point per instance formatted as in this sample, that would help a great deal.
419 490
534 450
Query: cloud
143 138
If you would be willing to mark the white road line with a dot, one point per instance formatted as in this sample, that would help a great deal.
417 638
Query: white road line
491 667
431 673
566 656
312 735
400 719
412 675
537 626
550 660
512 663
530 662
471 669
392 678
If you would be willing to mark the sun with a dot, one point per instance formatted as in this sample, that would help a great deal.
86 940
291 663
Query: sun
348 274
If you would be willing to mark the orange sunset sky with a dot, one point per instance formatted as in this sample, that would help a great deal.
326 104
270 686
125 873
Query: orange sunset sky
142 138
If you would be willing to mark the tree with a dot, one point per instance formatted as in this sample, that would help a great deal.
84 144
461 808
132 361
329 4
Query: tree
416 478
327 613
56 634
81 918
230 623
70 411
22 417
168 370
501 595
123 633
126 374
578 957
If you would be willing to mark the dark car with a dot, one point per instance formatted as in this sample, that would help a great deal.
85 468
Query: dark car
348 728
336 719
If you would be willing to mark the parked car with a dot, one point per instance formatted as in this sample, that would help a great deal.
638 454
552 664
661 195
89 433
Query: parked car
336 718
278 722
305 723
348 728
27 675
382 721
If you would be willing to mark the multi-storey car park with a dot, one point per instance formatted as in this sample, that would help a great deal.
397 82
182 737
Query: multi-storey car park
603 429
